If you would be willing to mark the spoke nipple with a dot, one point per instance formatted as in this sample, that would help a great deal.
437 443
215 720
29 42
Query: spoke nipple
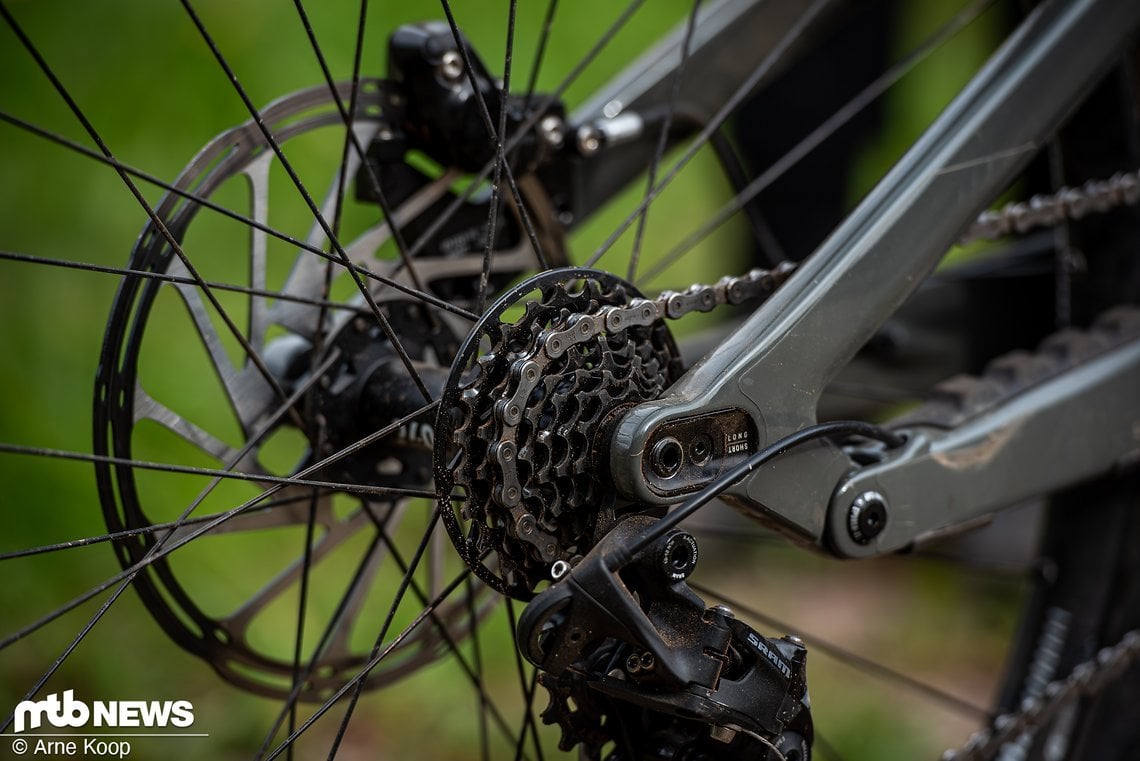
867 517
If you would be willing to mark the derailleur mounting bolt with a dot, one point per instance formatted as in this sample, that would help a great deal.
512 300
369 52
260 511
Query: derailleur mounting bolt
678 556
867 517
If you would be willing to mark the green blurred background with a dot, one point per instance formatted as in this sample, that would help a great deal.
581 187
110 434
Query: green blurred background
144 78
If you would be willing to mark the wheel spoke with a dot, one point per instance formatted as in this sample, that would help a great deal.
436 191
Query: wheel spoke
365 291
816 137
867 665
156 221
662 141
500 161
381 230
775 56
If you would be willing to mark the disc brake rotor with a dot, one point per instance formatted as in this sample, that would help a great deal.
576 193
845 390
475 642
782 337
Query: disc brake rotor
176 386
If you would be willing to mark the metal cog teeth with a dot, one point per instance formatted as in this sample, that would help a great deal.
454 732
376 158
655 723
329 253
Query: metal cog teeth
551 408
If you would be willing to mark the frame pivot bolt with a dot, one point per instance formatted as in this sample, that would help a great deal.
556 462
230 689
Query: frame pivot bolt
867 517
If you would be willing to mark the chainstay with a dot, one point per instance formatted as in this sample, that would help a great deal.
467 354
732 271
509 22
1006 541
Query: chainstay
1086 680
1093 197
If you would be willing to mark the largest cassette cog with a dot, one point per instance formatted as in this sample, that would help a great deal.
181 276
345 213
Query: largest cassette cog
523 421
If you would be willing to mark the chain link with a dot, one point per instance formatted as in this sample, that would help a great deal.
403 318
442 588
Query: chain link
672 305
1095 196
1086 679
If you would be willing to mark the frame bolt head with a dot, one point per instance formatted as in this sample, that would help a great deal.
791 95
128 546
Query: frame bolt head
867 517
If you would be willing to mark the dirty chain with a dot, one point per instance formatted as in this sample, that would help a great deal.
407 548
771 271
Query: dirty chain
1093 197
573 326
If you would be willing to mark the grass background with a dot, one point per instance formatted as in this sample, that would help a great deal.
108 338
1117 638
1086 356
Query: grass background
144 78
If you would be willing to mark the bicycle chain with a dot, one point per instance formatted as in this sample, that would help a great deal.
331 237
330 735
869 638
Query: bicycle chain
1086 679
1094 196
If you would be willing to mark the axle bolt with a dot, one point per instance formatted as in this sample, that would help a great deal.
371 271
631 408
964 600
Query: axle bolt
666 457
867 517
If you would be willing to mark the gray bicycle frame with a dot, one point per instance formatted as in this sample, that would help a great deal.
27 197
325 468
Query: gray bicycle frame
775 367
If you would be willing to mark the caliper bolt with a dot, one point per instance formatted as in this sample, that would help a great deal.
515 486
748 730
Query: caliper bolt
867 517
589 140
553 131
451 66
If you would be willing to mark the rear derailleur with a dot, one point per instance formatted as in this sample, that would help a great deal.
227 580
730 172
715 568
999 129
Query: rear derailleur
639 668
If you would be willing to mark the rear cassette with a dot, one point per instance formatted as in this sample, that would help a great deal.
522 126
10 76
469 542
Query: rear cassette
521 428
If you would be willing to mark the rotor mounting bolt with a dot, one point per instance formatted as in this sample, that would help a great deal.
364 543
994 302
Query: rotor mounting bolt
867 517
451 66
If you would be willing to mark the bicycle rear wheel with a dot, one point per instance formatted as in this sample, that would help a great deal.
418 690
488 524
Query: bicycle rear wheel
164 395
